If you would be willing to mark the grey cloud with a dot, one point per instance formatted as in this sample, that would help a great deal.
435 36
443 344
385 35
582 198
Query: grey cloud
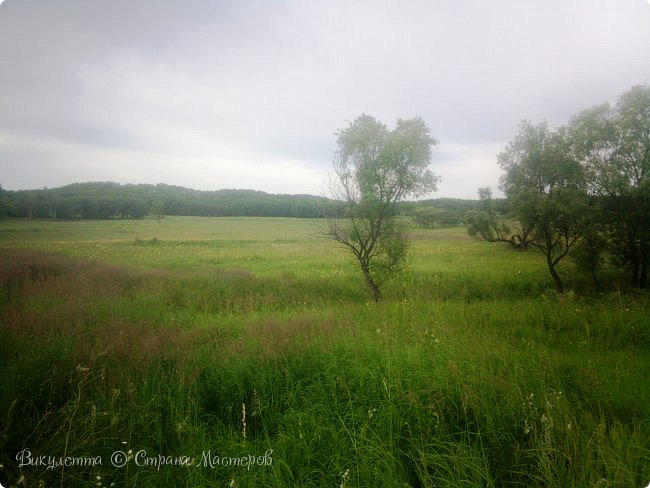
268 83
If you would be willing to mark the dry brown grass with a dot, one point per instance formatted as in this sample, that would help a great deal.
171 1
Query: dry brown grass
32 272
138 344
50 299
273 338
90 306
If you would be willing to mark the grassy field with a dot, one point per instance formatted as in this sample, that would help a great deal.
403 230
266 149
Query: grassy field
245 352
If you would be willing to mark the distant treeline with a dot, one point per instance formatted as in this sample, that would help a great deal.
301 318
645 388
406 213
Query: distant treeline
442 212
106 200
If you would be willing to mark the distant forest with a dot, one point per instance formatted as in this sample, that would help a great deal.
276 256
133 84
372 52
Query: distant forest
106 200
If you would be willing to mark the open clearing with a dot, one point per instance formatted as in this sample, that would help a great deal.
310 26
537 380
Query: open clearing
221 340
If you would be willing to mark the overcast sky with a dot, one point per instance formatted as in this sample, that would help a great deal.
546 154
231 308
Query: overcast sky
213 94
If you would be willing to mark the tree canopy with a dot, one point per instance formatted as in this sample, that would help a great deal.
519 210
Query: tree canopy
613 145
375 169
584 188
545 184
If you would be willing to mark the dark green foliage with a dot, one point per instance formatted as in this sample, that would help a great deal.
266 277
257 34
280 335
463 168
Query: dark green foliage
613 145
115 201
546 187
432 215
589 252
456 206
4 203
485 223
582 189
425 216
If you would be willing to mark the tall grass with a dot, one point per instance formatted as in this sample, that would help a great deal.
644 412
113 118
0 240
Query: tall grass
473 372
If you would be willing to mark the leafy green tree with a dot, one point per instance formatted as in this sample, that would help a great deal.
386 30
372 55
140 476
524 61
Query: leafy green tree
4 203
425 216
375 169
613 145
631 160
588 253
484 223
446 218
546 187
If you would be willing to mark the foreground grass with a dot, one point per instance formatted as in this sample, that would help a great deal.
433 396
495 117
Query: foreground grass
222 338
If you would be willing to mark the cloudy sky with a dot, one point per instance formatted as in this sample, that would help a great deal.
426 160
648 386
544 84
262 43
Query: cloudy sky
213 94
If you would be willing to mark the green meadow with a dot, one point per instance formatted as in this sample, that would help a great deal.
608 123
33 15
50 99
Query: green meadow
209 352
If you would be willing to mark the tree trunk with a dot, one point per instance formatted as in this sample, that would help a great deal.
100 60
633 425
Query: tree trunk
636 271
556 277
374 289
524 240
372 286
594 278
643 265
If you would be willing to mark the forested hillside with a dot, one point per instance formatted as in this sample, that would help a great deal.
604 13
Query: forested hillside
107 200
